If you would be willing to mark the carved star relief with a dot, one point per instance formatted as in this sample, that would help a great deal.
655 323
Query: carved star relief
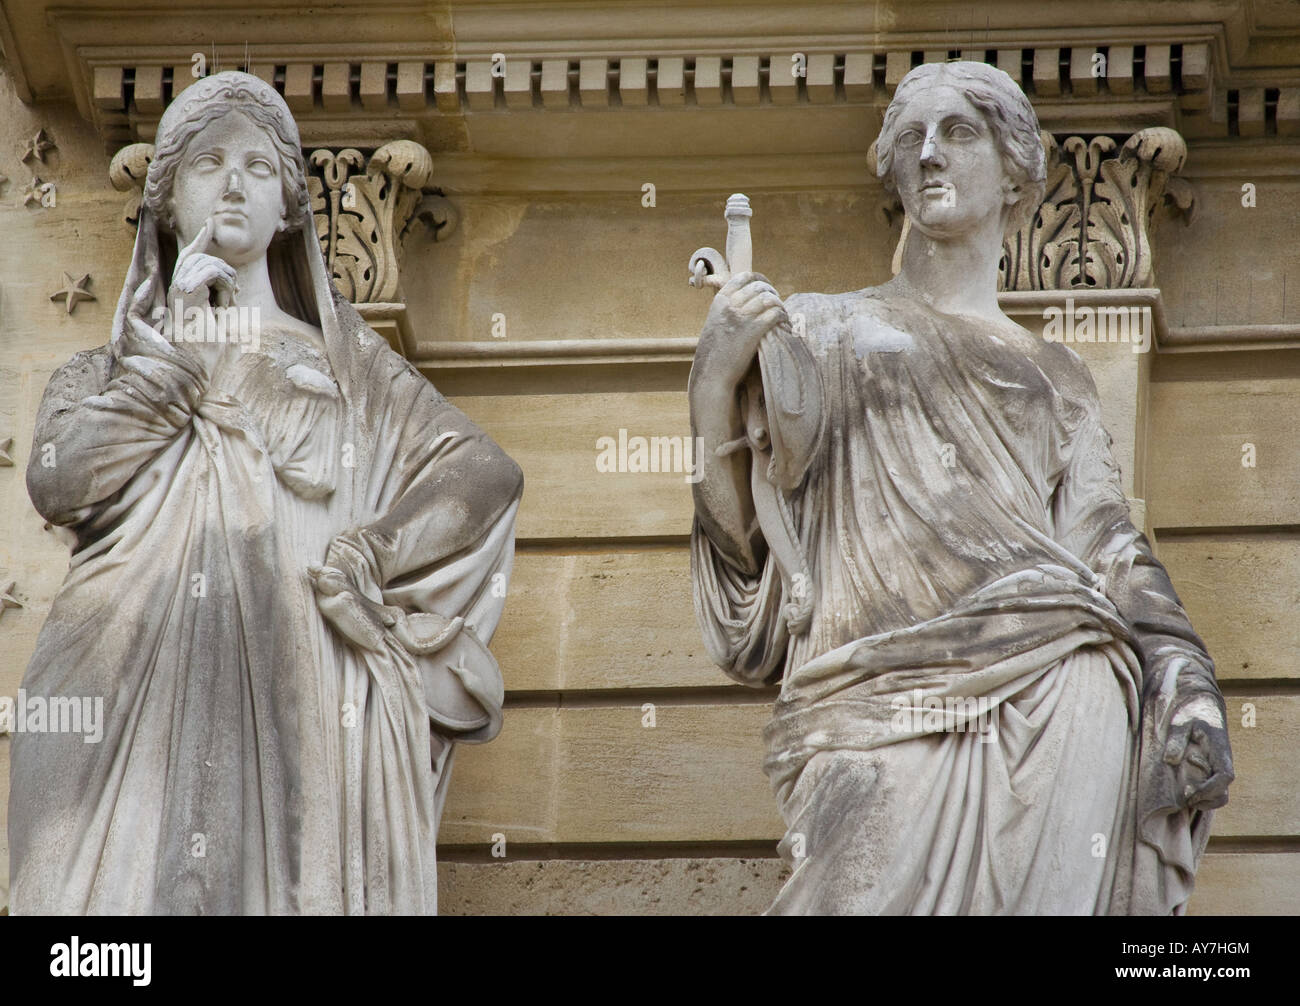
37 146
7 599
74 291
6 455
32 194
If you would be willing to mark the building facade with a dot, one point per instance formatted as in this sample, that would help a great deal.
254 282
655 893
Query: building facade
511 192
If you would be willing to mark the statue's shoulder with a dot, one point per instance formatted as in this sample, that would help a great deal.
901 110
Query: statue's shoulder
98 359
1066 370
825 314
384 366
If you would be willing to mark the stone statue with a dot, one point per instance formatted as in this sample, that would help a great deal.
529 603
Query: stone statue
991 699
289 554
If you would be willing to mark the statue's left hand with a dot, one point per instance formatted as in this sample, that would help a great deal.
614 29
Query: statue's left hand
363 622
1198 751
359 619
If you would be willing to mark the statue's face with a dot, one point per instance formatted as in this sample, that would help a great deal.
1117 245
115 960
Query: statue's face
231 172
948 169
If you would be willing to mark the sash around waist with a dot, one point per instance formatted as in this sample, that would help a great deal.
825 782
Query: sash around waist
994 644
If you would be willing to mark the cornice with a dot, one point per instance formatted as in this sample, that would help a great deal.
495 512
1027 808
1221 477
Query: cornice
589 79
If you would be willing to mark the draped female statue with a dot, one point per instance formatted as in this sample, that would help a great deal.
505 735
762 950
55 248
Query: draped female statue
991 699
289 554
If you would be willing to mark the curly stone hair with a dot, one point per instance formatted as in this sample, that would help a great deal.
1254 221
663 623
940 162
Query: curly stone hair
1006 109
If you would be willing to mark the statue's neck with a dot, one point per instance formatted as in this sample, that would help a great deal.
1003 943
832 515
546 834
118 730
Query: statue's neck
254 279
958 275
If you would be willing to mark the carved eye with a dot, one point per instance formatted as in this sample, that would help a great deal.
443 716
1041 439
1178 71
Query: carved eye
207 161
262 168
909 138
962 131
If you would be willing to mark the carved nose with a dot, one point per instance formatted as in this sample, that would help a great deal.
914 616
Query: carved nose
930 150
233 184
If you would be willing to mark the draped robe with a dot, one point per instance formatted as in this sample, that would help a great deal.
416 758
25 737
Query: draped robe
972 552
253 761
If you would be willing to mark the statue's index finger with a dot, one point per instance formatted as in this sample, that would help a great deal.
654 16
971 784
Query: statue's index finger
199 244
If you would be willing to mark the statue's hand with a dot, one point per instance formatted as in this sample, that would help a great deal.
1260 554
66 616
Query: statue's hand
363 622
360 620
197 272
743 311
196 275
175 383
1198 751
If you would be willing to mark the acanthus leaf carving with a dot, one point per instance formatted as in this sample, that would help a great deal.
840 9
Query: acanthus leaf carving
1039 254
1093 227
363 215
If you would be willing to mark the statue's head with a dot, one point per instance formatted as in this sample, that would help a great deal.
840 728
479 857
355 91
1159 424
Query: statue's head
959 144
228 148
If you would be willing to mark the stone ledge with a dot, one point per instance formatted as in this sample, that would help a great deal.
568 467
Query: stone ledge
610 887
1228 883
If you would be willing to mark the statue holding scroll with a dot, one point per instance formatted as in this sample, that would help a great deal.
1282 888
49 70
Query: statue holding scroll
910 515
288 558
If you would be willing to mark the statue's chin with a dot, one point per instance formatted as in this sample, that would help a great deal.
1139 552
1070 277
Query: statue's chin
942 224
236 245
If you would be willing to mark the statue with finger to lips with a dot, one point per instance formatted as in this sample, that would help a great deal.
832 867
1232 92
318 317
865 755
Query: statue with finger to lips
288 554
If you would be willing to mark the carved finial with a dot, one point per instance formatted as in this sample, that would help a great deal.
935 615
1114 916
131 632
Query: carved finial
38 146
1093 227
74 291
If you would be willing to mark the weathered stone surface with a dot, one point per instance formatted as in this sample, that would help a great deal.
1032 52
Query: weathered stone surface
291 555
597 775
611 887
555 237
1227 884
1251 632
904 494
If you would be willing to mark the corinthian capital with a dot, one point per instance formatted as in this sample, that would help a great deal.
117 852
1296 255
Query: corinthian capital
363 209
1093 227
